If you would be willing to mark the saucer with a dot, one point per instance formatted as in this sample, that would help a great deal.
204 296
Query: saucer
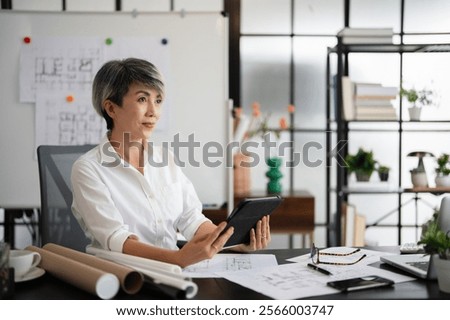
32 274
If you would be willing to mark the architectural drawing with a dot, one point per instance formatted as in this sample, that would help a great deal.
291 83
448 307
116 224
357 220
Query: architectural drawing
59 122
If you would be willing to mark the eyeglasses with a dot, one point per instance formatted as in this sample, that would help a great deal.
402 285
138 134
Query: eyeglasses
315 254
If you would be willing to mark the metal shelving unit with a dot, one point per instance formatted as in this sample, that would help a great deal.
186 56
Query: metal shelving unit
341 127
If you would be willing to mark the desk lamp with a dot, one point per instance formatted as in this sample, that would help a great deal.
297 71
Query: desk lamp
418 175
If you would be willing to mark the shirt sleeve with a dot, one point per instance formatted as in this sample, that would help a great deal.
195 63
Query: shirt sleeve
192 216
95 210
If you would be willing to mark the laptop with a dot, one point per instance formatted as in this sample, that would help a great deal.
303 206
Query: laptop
421 265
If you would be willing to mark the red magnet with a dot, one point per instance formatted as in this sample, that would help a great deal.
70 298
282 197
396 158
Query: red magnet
27 40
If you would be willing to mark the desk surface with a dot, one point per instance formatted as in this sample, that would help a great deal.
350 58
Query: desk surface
49 287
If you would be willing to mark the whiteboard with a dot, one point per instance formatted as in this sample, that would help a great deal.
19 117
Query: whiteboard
198 91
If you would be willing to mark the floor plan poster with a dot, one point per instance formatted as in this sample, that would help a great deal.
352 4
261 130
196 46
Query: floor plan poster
63 118
68 65
55 63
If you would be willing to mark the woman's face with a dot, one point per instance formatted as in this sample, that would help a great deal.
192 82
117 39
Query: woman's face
140 111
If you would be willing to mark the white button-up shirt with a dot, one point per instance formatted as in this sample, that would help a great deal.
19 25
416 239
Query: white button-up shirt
112 200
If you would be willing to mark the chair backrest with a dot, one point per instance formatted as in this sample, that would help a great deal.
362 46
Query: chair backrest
57 223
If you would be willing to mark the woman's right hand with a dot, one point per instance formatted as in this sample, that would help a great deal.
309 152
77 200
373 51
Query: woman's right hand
204 245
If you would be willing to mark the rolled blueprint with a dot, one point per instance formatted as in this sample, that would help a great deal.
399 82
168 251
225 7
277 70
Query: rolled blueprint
103 284
166 275
134 261
131 280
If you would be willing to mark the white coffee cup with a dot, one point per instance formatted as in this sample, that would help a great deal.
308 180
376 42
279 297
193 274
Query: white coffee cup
23 261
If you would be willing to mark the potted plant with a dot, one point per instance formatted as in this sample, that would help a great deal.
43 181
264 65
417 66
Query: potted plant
362 164
443 170
418 99
383 172
437 243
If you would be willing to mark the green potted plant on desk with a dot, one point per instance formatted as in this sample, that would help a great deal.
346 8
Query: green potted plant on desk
437 243
443 170
362 164
417 99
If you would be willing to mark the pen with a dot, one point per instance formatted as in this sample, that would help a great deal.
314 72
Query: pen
312 266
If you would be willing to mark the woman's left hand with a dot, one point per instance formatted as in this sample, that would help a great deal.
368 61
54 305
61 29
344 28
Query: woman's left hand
259 238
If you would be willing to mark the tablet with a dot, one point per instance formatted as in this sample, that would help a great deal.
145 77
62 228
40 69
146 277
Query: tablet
245 216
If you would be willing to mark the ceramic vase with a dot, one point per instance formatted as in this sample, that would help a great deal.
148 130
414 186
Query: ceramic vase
419 179
274 174
414 113
362 176
442 181
241 174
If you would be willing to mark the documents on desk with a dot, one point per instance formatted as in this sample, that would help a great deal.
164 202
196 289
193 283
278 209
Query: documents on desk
296 280
213 268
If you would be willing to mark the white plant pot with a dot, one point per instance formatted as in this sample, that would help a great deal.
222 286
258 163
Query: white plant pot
442 181
419 179
414 113
443 273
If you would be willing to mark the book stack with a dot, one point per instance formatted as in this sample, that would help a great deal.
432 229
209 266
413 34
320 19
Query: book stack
366 35
368 101
353 226
374 102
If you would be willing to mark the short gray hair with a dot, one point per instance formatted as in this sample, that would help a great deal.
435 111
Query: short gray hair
114 78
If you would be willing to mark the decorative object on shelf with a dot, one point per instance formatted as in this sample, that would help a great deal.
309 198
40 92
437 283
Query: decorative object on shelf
418 174
246 128
383 172
362 164
241 174
274 174
418 99
437 244
443 171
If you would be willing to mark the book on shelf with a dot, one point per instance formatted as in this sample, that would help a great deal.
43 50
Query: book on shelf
376 103
348 93
368 40
367 101
366 35
376 113
353 226
375 91
347 31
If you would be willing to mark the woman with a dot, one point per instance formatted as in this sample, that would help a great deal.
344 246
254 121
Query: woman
124 203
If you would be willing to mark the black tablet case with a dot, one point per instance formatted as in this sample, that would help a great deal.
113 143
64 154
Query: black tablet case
245 216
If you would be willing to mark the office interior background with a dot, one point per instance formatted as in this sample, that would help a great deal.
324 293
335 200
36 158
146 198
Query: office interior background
282 58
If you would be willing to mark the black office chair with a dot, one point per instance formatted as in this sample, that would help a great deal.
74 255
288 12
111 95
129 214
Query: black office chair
57 223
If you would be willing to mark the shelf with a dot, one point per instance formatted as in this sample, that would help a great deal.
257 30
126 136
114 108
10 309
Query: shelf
372 190
342 130
435 190
390 48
